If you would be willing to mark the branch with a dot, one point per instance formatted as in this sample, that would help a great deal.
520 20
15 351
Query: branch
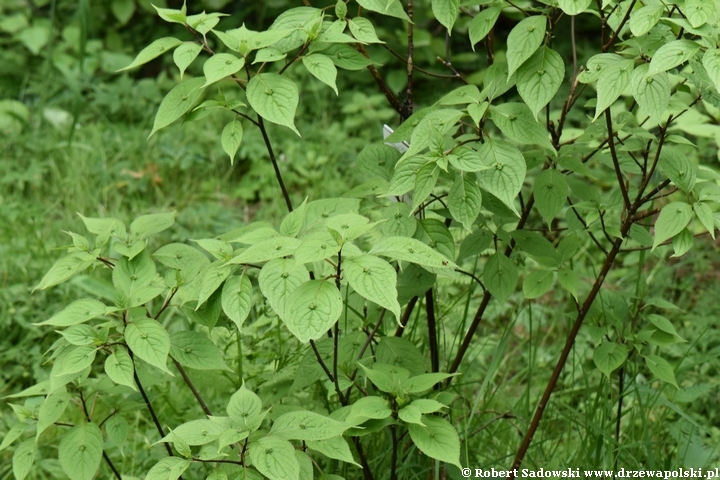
616 163
278 175
194 391
394 102
149 406
432 331
408 107
405 317
105 455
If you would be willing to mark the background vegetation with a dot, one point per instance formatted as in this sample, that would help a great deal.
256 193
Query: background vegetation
74 140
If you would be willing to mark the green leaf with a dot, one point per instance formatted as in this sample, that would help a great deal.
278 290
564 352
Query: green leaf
426 381
23 459
119 367
336 447
411 250
517 122
612 82
464 200
366 408
482 23
507 173
172 15
467 160
195 350
661 369
185 54
221 65
312 309
425 182
569 281
446 12
123 10
551 191
664 325
403 179
275 98
673 218
500 276
278 279
81 450
74 360
609 356
672 54
244 406
574 7
132 276
537 283
65 268
644 19
387 378
678 168
711 62
398 220
154 50
706 217
682 242
375 279
378 160
305 425
539 78
435 233
322 68
169 468
148 340
475 243
177 103
79 311
391 8
196 432
237 299
346 57
11 435
275 458
411 414
231 138
400 351
437 439
426 405
51 410
523 40
363 30
652 92
117 429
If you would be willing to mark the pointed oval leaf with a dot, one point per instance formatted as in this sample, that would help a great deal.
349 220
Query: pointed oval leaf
312 309
507 173
446 12
375 279
711 62
148 340
391 8
80 451
661 369
673 218
185 54
305 425
611 84
336 447
275 98
322 68
278 279
79 311
550 190
169 468
652 92
482 23
23 459
644 19
231 138
609 356
672 54
221 65
517 122
437 439
51 410
464 200
237 299
538 283
411 250
363 30
539 78
523 40
119 367
177 103
154 50
574 7
500 276
275 458
195 350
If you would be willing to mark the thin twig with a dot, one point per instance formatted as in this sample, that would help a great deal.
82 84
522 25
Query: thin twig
192 388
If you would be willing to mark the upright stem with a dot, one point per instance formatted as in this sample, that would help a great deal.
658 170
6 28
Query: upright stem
393 456
432 331
105 455
406 316
278 175
408 107
150 407
194 390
